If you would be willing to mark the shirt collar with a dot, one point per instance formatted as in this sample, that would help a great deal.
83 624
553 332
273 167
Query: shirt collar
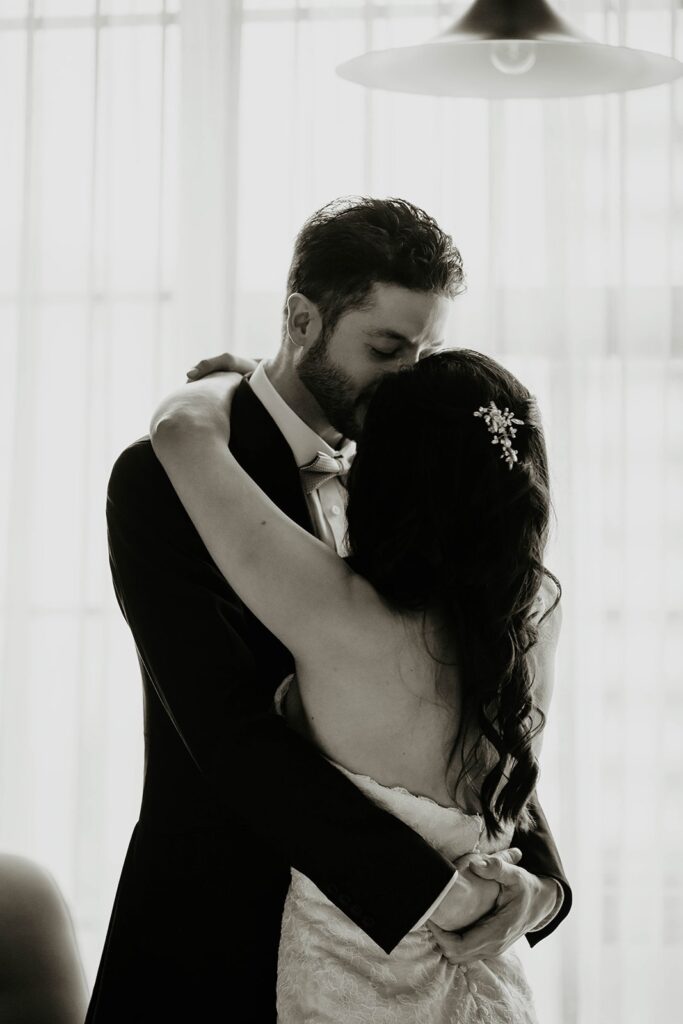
303 441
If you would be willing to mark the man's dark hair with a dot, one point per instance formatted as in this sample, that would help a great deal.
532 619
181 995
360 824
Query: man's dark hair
351 244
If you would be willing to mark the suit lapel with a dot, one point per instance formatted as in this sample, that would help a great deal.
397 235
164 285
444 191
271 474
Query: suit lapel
262 451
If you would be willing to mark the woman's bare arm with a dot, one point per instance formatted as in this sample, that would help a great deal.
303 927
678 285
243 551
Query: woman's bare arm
300 589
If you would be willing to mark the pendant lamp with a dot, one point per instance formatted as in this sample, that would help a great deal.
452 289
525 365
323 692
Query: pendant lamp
502 49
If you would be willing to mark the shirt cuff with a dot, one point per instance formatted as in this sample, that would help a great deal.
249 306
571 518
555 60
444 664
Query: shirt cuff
428 913
559 900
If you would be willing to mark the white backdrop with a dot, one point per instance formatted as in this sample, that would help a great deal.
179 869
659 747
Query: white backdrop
157 163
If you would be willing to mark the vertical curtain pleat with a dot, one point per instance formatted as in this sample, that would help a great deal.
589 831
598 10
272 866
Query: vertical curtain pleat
211 44
14 755
88 832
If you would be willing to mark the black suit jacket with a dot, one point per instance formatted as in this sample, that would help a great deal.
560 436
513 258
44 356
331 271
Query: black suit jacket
232 796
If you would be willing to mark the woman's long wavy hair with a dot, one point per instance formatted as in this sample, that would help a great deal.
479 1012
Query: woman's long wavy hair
438 521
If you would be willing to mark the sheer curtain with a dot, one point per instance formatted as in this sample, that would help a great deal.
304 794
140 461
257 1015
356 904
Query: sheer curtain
117 206
158 161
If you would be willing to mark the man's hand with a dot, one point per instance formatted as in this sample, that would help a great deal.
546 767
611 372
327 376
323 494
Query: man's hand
226 362
524 901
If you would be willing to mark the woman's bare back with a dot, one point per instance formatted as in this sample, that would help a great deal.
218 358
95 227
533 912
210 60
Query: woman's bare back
392 712
386 701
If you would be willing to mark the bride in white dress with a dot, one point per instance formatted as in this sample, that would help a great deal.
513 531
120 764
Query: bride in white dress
424 661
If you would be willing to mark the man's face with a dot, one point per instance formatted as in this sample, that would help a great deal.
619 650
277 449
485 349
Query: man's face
342 369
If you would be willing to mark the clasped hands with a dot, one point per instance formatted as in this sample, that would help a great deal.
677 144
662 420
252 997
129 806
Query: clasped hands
492 903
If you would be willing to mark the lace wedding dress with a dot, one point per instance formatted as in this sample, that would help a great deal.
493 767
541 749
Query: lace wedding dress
331 972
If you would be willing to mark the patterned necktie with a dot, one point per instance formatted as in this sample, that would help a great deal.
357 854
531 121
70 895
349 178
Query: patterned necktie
321 469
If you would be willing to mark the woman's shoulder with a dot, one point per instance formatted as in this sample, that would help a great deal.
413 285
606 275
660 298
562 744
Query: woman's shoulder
548 614
547 610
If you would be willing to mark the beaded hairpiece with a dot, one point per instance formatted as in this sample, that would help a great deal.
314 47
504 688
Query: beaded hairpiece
500 424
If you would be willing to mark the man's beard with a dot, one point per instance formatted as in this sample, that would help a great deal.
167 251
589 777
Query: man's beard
333 390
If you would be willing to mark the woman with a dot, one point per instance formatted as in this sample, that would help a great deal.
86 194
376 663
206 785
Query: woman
423 661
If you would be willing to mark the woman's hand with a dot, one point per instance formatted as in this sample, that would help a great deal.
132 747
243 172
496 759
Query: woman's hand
225 362
203 404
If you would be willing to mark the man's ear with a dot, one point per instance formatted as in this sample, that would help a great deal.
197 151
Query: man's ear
304 323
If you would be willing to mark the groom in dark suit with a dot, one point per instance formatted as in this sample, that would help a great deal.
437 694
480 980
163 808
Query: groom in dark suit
232 796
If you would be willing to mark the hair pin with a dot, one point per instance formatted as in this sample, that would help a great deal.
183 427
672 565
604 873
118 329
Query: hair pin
500 424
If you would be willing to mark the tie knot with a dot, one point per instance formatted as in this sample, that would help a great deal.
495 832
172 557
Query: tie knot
322 468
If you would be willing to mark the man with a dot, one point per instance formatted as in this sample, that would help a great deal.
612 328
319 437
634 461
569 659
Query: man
232 797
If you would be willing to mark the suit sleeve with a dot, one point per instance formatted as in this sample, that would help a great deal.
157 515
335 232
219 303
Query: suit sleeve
189 630
540 857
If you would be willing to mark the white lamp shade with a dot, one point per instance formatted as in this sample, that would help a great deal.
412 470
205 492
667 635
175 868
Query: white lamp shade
514 49
449 68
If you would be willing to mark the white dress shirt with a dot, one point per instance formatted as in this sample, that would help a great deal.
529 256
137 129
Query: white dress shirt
327 508
327 504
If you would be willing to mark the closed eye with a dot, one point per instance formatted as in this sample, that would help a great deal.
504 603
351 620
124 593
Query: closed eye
383 355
